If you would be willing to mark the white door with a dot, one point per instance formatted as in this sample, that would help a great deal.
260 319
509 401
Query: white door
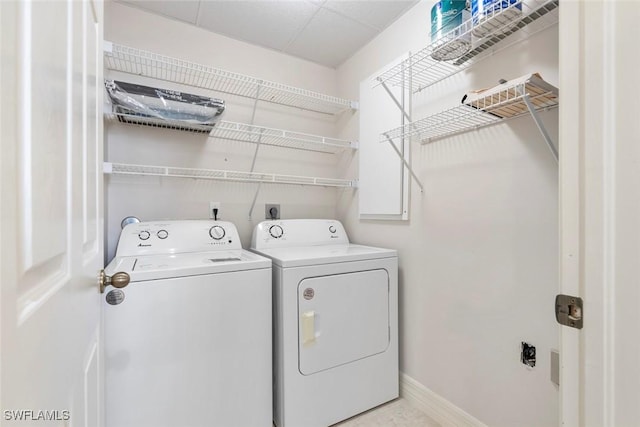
600 210
52 215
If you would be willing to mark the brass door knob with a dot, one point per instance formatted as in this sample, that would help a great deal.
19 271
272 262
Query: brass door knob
118 280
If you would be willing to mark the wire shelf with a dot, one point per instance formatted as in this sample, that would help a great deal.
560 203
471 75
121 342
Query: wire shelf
242 132
485 108
499 31
224 175
280 138
148 64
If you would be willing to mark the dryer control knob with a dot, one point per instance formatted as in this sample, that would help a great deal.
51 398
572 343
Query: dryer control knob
216 232
276 231
332 229
144 235
162 234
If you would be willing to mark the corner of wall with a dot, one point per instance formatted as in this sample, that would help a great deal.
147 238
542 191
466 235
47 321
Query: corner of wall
435 406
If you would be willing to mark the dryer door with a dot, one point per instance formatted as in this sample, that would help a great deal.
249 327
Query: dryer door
342 318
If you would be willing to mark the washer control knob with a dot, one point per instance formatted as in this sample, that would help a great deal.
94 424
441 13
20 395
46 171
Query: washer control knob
332 229
162 234
276 231
144 235
216 232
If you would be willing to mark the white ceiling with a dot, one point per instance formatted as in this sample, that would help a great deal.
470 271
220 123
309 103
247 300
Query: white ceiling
324 31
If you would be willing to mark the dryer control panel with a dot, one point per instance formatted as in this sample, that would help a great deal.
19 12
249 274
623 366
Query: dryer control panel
167 237
298 232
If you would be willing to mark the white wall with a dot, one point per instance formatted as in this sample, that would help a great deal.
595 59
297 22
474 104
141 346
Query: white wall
152 198
478 258
479 255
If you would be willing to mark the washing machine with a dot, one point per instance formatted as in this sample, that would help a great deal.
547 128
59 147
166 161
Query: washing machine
188 341
335 322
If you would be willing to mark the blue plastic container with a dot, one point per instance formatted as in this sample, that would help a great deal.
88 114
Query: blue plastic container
494 16
449 41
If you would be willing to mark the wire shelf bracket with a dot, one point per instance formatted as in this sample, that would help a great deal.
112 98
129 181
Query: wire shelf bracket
406 164
405 117
543 130
395 101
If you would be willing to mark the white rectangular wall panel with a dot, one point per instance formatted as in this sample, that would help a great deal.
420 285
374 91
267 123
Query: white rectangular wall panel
383 177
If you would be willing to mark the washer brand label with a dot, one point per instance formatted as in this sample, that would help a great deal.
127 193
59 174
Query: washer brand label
115 297
308 293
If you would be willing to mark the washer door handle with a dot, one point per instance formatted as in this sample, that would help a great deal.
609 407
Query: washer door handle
118 280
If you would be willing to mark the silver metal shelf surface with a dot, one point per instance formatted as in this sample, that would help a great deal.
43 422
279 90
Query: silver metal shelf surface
422 71
280 138
505 103
160 67
142 120
224 175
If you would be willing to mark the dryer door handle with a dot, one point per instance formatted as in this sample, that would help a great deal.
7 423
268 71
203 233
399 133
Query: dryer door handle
308 328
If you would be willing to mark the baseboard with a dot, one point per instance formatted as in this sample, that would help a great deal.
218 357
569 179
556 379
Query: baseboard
438 408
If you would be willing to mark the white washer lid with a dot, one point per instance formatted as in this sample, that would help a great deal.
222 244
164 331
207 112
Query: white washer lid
316 255
153 267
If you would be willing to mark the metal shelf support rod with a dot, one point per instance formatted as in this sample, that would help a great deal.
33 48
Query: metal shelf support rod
384 85
255 198
541 128
255 102
415 177
255 153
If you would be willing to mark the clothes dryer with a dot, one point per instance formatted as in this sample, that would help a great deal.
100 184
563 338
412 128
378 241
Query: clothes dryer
335 322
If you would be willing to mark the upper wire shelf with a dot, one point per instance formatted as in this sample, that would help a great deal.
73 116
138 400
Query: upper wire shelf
280 138
504 102
136 61
224 175
499 31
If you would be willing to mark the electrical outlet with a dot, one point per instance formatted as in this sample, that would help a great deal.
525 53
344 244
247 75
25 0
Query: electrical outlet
272 211
212 206
528 354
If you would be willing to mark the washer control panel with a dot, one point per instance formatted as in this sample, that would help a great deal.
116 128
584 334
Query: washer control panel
217 232
167 237
298 232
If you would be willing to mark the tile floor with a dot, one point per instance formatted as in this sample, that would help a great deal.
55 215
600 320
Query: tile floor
398 413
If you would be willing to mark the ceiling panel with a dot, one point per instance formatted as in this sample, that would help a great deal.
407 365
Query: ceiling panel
323 31
330 38
185 10
268 23
378 14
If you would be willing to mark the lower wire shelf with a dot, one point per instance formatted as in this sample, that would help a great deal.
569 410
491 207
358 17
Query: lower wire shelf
511 99
224 175
242 132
